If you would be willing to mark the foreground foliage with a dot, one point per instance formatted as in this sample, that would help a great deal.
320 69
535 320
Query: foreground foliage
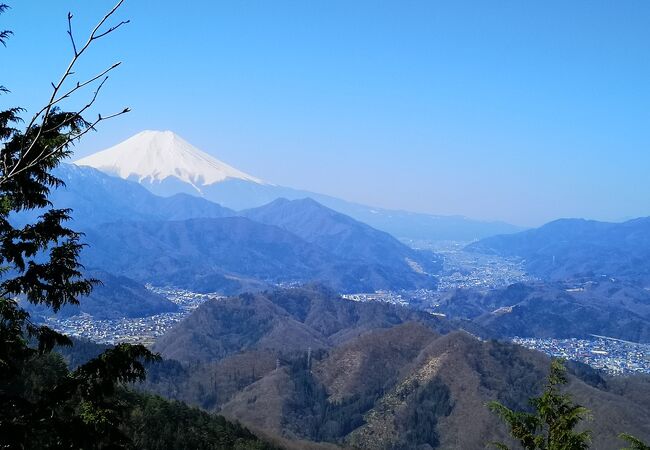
553 424
43 404
85 409
635 444
39 262
155 423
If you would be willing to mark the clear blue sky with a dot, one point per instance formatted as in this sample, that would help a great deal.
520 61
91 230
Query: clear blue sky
512 110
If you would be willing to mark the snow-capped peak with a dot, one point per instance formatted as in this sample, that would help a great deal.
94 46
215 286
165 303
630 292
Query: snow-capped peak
153 156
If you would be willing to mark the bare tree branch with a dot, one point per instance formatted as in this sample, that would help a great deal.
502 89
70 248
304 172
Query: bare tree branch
85 83
47 153
73 137
79 113
4 35
43 115
74 46
111 29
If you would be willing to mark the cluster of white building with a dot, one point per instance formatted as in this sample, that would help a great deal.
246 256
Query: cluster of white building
611 355
133 330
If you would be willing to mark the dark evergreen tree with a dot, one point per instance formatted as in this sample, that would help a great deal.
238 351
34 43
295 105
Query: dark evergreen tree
42 403
635 443
552 425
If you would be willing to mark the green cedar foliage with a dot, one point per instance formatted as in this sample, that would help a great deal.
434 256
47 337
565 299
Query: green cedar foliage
155 423
89 411
43 403
552 425
635 444
40 263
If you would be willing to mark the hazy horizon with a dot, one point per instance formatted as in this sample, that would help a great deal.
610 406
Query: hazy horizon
521 113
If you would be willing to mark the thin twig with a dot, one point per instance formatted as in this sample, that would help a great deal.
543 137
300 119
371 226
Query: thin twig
111 29
72 137
79 113
85 83
55 98
74 46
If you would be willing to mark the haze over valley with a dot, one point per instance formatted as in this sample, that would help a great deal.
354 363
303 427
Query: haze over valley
168 220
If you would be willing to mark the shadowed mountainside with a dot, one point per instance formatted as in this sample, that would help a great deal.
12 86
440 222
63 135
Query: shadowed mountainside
234 253
190 242
341 235
115 297
577 248
556 310
98 198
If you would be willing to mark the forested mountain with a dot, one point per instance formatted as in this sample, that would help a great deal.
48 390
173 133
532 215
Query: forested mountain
141 420
556 310
281 321
577 248
340 234
303 365
233 253
156 423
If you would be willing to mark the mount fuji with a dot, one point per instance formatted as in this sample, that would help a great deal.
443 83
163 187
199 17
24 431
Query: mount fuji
166 164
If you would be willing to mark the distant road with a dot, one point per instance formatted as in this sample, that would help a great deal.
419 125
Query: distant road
614 339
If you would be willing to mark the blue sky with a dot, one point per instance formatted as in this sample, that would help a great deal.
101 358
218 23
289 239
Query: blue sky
510 110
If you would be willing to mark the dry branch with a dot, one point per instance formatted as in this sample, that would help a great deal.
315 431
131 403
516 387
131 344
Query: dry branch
41 118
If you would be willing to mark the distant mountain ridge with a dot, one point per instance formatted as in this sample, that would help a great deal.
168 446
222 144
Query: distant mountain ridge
341 235
189 241
232 254
97 198
555 310
116 297
166 164
578 248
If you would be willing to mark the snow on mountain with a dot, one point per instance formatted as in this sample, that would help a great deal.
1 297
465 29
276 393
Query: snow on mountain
161 157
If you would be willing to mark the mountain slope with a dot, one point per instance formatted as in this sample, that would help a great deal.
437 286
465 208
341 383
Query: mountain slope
575 248
241 194
166 164
219 252
556 310
339 234
156 157
280 321
231 254
378 377
137 420
97 198
115 297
